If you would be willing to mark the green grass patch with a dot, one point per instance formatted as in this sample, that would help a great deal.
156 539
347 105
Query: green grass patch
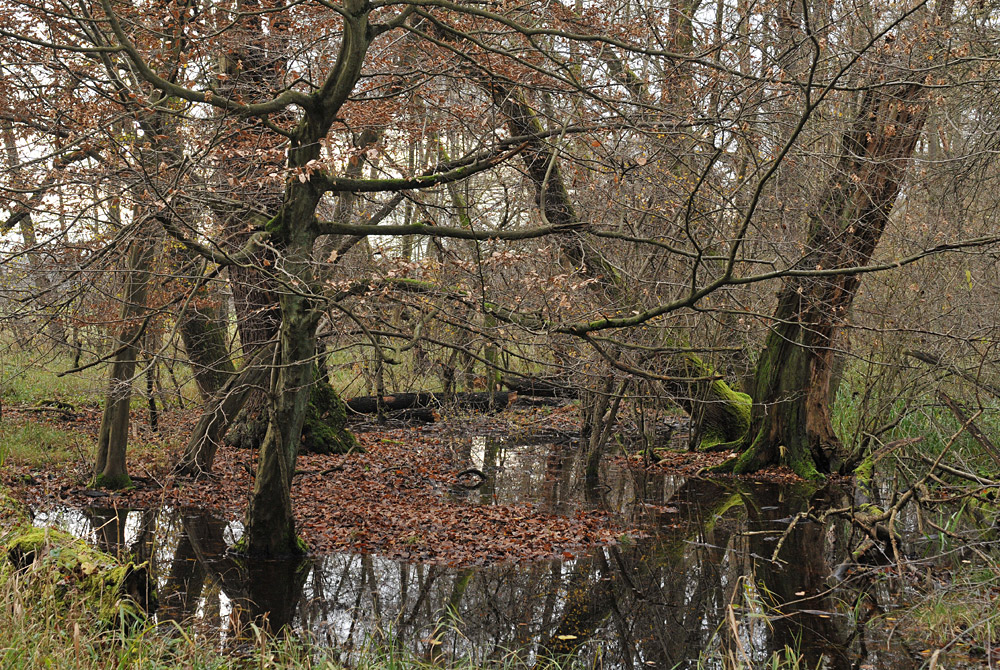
27 381
37 444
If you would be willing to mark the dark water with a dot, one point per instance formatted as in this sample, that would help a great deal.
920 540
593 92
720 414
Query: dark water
702 584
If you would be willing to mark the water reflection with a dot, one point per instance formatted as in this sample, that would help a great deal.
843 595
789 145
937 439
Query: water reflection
703 580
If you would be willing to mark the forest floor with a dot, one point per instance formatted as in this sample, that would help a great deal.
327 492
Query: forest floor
393 498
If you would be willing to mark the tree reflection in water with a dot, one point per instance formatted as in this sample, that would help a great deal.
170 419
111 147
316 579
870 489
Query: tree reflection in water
702 582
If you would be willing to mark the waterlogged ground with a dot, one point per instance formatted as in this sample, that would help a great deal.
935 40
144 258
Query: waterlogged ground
688 568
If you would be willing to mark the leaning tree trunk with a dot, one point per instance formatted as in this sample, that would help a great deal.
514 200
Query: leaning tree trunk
721 413
206 436
204 334
249 73
791 418
109 467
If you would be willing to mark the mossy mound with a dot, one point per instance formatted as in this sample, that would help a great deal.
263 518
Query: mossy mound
325 429
323 432
726 420
721 414
56 565
112 482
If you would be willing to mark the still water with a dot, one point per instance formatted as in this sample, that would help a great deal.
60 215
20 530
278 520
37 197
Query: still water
719 572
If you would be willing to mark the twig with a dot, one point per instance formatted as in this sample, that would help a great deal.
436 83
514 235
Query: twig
960 473
788 531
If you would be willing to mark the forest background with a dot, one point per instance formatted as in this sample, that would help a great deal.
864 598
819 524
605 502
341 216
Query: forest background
777 218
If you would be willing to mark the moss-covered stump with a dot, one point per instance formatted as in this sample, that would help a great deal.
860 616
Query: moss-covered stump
52 564
720 413
324 431
111 482
725 419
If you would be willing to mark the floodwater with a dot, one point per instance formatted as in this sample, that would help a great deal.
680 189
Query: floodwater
723 571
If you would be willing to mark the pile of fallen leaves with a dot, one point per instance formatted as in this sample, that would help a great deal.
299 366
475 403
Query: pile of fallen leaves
391 499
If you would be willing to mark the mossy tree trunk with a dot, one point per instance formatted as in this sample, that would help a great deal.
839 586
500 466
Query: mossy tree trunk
270 527
324 430
721 414
791 419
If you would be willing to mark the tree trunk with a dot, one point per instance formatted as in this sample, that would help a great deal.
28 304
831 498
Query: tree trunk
204 335
199 454
270 527
323 432
791 419
720 416
719 411
109 468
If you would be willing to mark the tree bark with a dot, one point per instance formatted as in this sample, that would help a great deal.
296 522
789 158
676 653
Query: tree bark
791 418
199 454
204 335
270 527
109 467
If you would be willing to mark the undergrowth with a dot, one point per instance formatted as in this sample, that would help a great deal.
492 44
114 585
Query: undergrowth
962 613
872 410
36 444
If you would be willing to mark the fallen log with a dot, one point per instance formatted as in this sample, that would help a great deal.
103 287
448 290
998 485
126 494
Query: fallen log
413 415
405 401
541 387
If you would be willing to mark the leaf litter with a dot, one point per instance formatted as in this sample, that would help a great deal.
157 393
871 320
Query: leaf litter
391 499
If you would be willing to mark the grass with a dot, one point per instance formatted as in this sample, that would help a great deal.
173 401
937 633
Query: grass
962 614
786 659
37 444
49 634
912 408
26 379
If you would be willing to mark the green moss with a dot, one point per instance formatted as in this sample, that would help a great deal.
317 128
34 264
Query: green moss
871 510
113 483
760 454
802 464
325 428
725 413
239 547
276 225
726 426
65 568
